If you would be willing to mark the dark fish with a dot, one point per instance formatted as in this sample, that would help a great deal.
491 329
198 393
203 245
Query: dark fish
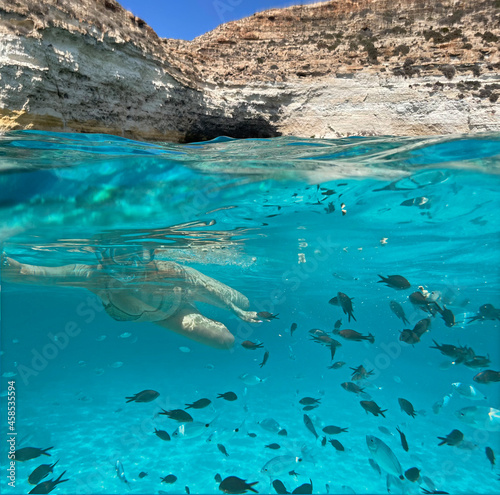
375 466
352 387
360 373
490 455
267 316
398 310
309 408
293 473
307 401
453 439
230 396
486 312
279 487
48 486
412 474
187 490
222 449
334 430
422 326
323 441
282 433
407 407
409 337
446 349
305 488
395 281
142 474
338 324
233 484
345 303
41 472
404 443
349 334
273 446
419 300
333 348
178 415
337 445
199 404
309 425
334 301
434 492
372 407
448 317
337 365
293 328
264 359
162 434
487 376
144 396
170 479
252 435
218 478
478 362
251 346
28 453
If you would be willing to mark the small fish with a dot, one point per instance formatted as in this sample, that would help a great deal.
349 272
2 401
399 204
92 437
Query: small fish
323 441
120 472
293 328
28 453
398 310
467 391
487 376
222 449
251 380
407 407
218 478
385 431
252 435
372 407
422 326
273 446
486 312
177 415
48 486
279 487
41 472
453 439
251 346
337 445
360 373
233 484
144 396
397 282
142 474
412 474
199 404
270 424
190 430
480 417
448 316
354 336
338 324
309 425
293 473
305 488
337 365
490 455
334 430
374 465
229 396
384 456
264 359
352 387
345 303
187 490
267 316
402 436
308 401
478 362
162 434
279 465
170 479
309 408
282 433
409 337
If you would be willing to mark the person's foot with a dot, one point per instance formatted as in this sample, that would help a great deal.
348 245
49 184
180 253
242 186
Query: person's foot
250 316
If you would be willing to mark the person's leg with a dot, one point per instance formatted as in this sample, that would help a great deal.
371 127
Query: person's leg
188 321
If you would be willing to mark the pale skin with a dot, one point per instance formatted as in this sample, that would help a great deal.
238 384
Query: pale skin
160 292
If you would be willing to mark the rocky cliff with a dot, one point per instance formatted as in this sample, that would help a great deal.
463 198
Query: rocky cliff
330 69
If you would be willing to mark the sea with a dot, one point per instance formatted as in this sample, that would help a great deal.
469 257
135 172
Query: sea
308 230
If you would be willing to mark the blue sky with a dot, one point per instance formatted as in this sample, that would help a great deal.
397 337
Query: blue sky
186 19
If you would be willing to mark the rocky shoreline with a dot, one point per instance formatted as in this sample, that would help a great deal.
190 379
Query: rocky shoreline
332 69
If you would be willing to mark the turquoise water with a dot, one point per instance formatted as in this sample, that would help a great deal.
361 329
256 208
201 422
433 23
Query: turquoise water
289 223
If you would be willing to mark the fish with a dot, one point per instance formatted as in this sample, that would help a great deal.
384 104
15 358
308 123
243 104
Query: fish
336 445
199 404
309 408
187 490
446 349
371 406
409 337
229 396
162 434
279 487
337 324
233 484
337 365
345 303
490 455
467 391
218 478
309 425
251 346
422 326
352 387
308 401
270 424
41 472
334 430
142 474
305 488
374 465
448 316
273 446
404 443
170 479
251 380
486 312
222 449
267 316
282 433
354 336
480 417
144 396
279 465
360 373
264 359
453 438
125 335
28 453
177 415
397 282
384 456
487 376
120 472
407 407
48 486
385 431
293 328
412 474
398 310
478 362
323 441
191 430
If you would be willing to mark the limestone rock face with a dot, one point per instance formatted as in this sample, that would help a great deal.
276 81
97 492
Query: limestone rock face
337 68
